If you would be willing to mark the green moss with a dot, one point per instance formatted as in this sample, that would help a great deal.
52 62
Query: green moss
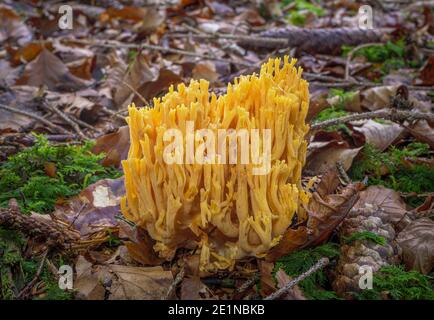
297 15
365 235
393 282
400 175
52 290
390 56
24 176
336 110
300 261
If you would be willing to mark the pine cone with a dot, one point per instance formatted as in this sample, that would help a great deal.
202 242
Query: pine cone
360 253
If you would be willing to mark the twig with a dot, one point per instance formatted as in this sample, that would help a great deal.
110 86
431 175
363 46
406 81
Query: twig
116 44
247 284
114 113
65 118
35 117
175 283
342 174
136 92
30 285
388 114
352 52
283 42
85 124
319 265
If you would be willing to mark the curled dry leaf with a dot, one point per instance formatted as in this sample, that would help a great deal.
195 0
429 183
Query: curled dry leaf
417 244
377 97
326 211
115 145
94 209
48 70
380 135
139 244
322 156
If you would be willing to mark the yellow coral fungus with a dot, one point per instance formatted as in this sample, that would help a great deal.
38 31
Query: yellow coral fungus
221 207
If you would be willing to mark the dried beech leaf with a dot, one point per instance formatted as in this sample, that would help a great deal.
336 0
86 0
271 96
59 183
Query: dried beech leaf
380 135
193 288
388 200
94 209
134 283
417 243
48 70
377 97
115 146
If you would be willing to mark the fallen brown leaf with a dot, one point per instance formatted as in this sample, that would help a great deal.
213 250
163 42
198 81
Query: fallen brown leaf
48 70
417 244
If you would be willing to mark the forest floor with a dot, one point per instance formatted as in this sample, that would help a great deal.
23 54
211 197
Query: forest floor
64 95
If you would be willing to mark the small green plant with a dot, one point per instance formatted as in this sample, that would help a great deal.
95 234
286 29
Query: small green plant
41 175
393 282
300 261
365 235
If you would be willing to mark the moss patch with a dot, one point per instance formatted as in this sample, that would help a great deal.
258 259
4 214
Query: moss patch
300 261
41 175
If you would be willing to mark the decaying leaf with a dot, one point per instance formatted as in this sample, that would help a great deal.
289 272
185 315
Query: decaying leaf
94 209
115 145
193 288
323 155
48 70
381 135
377 97
139 244
117 282
417 243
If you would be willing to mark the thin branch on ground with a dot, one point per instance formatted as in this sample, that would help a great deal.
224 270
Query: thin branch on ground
32 283
65 118
179 277
35 117
387 114
117 44
291 284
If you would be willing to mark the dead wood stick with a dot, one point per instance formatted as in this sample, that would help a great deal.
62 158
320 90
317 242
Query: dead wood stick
32 283
35 117
319 265
65 118
179 277
117 44
388 114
